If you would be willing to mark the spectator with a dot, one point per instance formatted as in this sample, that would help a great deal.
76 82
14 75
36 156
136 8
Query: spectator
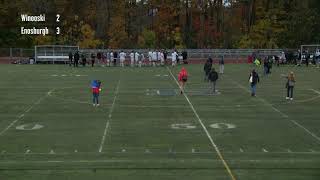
221 65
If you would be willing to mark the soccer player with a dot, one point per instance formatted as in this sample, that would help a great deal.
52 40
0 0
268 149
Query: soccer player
76 59
207 69
142 60
318 58
115 57
221 65
158 57
111 57
174 58
213 77
253 80
93 58
96 88
136 58
183 78
150 57
162 58
122 58
84 59
154 58
70 58
132 58
289 85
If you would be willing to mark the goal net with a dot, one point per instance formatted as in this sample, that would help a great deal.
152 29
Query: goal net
54 53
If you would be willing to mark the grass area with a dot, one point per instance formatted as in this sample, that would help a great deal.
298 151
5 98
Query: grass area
144 129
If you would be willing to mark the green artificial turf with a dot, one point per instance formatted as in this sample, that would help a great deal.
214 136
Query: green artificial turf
144 128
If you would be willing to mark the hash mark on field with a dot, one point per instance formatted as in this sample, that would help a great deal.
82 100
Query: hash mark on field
110 118
206 131
277 110
241 150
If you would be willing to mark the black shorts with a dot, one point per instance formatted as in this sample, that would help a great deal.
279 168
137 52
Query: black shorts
184 80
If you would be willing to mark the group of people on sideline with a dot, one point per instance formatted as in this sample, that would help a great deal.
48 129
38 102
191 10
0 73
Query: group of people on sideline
133 58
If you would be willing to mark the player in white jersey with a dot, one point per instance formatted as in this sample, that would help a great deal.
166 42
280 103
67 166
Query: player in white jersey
154 58
136 58
122 58
150 57
174 58
161 58
132 58
142 60
111 57
158 57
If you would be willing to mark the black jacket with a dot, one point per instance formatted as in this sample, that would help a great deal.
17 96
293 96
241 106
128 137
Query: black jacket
207 67
213 76
255 78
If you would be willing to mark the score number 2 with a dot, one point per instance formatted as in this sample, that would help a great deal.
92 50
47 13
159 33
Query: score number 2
58 20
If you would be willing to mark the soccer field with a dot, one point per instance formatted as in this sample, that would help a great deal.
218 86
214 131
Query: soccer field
144 128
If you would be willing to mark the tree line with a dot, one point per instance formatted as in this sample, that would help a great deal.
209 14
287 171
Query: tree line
165 23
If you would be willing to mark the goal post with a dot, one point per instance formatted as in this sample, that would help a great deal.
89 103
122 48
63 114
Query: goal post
54 53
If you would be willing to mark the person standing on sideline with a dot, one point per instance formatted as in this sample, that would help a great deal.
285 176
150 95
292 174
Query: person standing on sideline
318 58
115 57
150 57
93 59
83 59
131 59
221 64
289 85
174 58
136 58
70 58
111 58
265 66
183 78
213 77
122 58
76 59
253 80
207 68
96 88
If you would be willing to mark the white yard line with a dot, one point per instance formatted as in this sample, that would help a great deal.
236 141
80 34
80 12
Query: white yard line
206 131
315 91
109 119
26 111
281 113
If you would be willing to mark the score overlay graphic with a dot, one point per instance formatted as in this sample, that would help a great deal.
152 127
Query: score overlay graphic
38 25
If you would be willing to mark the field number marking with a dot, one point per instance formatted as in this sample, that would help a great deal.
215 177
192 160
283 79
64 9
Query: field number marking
29 127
